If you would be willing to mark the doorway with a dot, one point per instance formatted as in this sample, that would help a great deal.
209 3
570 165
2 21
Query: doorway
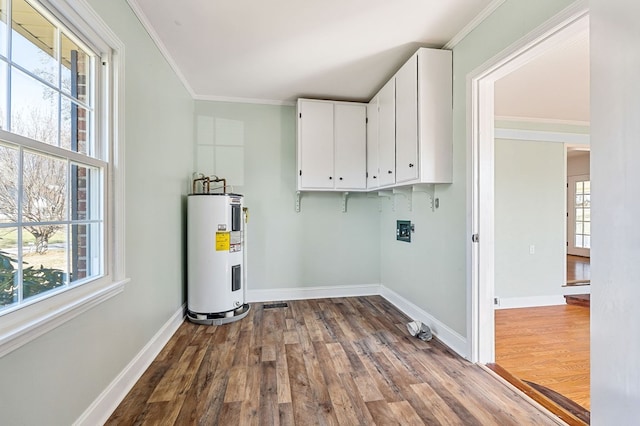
481 328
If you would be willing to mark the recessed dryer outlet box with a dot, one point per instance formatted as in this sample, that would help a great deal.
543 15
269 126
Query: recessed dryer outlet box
403 230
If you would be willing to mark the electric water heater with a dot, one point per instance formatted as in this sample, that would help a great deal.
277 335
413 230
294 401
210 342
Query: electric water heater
215 258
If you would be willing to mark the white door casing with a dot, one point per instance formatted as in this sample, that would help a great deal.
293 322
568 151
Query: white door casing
480 95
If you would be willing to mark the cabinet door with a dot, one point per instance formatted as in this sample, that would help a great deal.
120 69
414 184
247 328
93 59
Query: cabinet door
350 134
315 145
407 121
373 172
387 134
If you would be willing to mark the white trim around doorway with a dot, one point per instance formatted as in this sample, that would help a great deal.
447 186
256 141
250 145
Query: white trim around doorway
480 95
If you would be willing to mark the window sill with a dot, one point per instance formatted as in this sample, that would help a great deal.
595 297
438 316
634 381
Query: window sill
19 327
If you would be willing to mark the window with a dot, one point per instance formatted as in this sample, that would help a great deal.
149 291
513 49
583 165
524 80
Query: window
582 208
57 216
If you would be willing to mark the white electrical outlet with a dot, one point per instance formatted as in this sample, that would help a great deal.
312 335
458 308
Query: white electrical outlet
532 249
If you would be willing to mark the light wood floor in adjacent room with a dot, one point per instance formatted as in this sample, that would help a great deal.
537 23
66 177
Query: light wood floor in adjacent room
578 270
548 346
347 361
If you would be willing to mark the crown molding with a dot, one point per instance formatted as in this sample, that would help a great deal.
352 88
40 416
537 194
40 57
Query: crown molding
479 18
137 10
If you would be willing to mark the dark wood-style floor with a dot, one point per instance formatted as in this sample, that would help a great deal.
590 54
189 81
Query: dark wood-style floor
347 361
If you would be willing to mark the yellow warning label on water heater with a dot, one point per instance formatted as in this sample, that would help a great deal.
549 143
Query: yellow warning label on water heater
222 241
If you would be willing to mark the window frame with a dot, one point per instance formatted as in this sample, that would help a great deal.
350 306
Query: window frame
26 322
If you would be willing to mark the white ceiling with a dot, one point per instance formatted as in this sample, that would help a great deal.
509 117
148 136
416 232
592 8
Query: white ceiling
276 51
552 87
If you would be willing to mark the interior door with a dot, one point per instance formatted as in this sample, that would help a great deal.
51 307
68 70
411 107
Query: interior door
579 215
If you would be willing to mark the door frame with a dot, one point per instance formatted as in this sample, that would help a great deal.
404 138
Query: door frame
480 151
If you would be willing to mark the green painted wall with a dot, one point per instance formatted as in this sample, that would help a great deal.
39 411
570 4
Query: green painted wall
53 379
433 273
529 210
254 146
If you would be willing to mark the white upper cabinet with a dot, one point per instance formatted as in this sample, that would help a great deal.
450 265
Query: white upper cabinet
350 137
331 145
373 170
403 136
407 121
415 122
435 117
387 133
315 145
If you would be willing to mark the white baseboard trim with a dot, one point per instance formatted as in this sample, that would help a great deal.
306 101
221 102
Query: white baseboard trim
530 302
106 403
581 289
445 334
548 300
301 293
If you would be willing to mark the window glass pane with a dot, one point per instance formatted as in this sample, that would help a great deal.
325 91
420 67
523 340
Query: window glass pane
76 70
73 128
587 200
578 241
86 251
3 28
579 227
578 187
579 200
587 215
587 187
34 42
587 228
9 185
44 193
3 96
44 270
579 214
8 266
587 242
34 109
85 193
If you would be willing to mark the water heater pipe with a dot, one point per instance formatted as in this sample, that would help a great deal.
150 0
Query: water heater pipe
206 183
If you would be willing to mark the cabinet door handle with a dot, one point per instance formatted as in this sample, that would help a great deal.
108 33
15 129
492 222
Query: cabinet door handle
410 164
330 177
340 178
375 177
389 172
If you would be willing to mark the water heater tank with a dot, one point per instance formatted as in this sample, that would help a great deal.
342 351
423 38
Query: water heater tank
215 258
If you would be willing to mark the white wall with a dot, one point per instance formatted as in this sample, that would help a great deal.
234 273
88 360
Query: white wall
578 163
615 175
529 211
53 379
319 246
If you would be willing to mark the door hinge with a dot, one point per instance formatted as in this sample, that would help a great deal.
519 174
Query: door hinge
300 115
300 172
475 238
